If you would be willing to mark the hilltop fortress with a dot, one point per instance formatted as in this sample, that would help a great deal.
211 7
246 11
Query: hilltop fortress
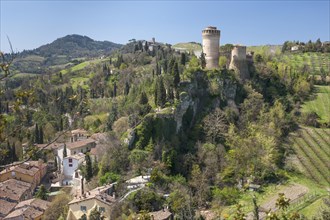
238 59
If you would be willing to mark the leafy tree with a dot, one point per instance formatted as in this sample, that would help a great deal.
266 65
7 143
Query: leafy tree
58 207
215 126
42 192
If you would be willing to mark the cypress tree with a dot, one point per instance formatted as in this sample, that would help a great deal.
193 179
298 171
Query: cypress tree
143 98
13 153
64 151
202 60
89 170
161 93
36 134
126 91
41 135
183 59
156 92
176 75
114 89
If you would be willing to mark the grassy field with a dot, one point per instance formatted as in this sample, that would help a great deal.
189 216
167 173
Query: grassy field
320 103
188 46
312 148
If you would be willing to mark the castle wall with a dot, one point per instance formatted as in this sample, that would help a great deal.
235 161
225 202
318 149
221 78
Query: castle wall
211 42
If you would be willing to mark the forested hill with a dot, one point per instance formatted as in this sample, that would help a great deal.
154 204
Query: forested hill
74 46
62 52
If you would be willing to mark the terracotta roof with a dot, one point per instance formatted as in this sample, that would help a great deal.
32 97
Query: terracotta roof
35 202
25 212
98 193
161 215
81 143
51 146
31 171
13 189
6 207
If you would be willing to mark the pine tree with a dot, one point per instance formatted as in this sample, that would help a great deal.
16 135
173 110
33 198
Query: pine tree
89 169
36 134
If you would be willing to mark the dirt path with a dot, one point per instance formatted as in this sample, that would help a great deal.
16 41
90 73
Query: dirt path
293 192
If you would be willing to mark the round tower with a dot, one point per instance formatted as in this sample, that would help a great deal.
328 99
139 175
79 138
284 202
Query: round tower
211 42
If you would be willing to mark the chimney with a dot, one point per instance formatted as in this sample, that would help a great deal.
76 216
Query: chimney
82 186
114 195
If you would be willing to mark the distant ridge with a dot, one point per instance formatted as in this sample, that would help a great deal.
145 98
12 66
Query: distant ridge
62 52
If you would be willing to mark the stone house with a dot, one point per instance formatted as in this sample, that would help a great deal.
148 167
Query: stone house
31 172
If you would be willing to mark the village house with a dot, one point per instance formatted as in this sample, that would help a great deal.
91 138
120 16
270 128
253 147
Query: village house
30 172
30 209
11 192
101 197
70 166
75 147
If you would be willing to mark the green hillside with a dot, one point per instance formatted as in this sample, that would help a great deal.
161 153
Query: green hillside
313 60
319 103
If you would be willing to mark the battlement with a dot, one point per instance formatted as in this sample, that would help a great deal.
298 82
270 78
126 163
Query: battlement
210 31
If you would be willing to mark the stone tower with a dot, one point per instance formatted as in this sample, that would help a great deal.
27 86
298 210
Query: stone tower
238 62
211 42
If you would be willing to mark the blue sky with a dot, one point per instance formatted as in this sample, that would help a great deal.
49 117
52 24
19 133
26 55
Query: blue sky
30 24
